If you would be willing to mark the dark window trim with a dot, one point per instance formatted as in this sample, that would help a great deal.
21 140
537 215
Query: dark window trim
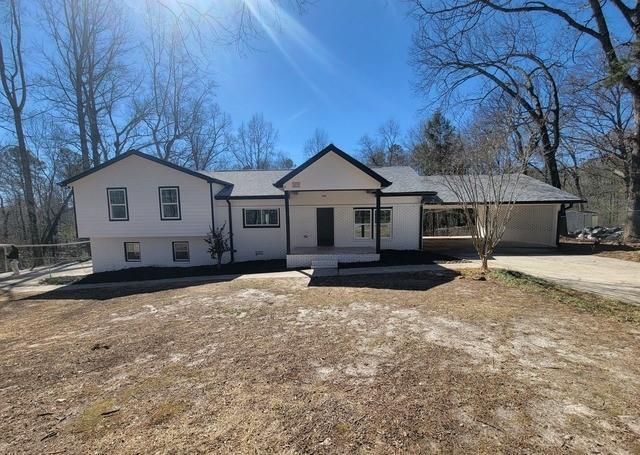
126 202
174 187
126 259
173 251
260 226
373 221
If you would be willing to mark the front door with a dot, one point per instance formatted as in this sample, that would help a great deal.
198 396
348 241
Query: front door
324 220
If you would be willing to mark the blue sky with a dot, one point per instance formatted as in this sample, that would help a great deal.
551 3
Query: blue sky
341 66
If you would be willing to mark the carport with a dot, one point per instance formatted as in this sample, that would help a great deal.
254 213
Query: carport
533 222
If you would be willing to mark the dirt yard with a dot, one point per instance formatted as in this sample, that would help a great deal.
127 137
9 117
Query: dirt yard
416 363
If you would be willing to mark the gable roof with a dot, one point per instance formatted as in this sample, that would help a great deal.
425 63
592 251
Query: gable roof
530 191
332 148
138 153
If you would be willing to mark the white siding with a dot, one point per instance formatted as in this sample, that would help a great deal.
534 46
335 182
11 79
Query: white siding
405 219
332 172
534 224
142 178
253 244
108 253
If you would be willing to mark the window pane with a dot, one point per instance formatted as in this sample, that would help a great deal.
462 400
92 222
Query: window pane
363 216
181 251
362 231
169 195
385 230
251 217
170 211
385 215
116 196
132 250
118 211
270 216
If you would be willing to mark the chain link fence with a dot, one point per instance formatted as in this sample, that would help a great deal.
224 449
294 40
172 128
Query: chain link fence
31 256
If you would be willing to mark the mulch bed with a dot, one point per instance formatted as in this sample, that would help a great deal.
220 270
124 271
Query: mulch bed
159 273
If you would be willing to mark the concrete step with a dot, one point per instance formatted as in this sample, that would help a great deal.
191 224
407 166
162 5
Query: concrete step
324 264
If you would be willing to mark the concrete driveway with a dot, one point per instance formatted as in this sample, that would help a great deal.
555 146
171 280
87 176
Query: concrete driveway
613 278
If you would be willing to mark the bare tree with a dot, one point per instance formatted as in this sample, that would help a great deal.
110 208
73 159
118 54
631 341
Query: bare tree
614 27
490 185
14 88
385 148
318 140
209 138
88 40
505 58
255 144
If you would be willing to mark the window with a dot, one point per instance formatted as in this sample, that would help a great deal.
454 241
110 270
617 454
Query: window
117 200
132 251
385 223
364 228
180 251
362 224
261 218
169 202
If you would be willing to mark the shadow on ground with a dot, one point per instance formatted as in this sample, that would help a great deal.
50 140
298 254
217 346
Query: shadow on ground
403 281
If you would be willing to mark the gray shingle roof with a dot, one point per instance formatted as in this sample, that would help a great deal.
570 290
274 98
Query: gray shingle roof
530 191
403 180
249 183
253 183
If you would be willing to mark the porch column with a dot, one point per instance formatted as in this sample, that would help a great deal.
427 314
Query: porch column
378 222
286 217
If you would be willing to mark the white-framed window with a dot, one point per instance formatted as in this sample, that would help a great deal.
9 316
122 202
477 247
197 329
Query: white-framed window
362 224
364 227
118 205
181 252
169 202
386 223
261 218
132 251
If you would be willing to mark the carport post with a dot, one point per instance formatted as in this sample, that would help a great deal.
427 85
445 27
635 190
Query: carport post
378 222
287 223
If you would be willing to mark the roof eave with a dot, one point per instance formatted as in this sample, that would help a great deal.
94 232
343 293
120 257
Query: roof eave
140 154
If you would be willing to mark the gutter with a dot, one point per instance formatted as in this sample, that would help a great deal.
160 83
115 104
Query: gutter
230 230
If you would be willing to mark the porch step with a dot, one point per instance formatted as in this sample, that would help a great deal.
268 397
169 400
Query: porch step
324 264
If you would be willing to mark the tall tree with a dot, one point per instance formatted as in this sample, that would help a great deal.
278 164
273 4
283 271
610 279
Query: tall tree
318 140
14 88
502 57
87 45
385 147
613 26
435 143
255 144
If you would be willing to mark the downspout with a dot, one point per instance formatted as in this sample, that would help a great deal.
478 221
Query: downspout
75 214
213 220
230 230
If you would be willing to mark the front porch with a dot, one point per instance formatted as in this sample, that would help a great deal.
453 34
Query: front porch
327 255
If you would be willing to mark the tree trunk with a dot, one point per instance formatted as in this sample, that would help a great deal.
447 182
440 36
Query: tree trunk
81 118
484 268
25 168
632 222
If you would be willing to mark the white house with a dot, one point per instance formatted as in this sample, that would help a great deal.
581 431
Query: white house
141 211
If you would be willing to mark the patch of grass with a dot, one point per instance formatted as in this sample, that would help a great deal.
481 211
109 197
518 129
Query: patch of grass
584 301
164 412
56 280
94 415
